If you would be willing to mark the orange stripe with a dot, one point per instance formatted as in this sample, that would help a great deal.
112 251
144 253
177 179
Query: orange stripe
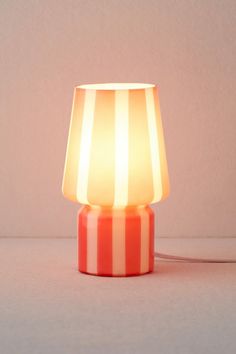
69 183
82 239
151 239
140 183
133 243
145 239
102 159
104 250
92 228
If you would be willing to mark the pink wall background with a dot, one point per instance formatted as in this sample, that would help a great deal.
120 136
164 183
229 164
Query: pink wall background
187 47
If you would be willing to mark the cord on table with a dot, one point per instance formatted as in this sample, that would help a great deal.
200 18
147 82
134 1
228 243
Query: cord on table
192 260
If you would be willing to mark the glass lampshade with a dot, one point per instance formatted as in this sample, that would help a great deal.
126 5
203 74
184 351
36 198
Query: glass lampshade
116 154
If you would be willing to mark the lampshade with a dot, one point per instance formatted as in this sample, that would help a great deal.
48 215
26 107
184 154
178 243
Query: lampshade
116 154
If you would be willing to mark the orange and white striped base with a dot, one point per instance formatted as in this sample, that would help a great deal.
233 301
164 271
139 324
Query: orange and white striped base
114 242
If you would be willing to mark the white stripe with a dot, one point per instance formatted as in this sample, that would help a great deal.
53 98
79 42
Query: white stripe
155 153
118 243
92 221
121 147
85 145
144 218
68 141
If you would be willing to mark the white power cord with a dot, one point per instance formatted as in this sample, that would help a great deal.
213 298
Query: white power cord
192 260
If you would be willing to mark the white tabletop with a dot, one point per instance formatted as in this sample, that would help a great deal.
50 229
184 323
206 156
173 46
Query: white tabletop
46 306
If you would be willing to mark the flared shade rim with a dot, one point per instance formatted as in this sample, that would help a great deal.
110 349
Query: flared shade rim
112 86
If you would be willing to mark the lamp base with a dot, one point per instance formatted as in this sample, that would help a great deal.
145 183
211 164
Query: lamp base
116 242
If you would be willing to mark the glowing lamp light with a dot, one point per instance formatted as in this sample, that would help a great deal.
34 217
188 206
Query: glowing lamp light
116 166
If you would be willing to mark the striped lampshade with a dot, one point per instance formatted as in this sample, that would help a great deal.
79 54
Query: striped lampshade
116 154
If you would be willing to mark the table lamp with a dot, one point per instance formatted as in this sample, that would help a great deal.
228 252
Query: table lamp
116 166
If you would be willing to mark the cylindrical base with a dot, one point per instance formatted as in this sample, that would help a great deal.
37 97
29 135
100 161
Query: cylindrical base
114 242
